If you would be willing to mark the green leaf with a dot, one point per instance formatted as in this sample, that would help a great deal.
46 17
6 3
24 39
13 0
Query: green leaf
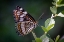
57 38
60 5
54 3
45 30
51 40
47 22
60 14
44 38
38 40
58 2
53 9
50 27
33 40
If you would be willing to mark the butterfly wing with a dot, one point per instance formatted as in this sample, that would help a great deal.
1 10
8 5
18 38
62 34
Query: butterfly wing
25 23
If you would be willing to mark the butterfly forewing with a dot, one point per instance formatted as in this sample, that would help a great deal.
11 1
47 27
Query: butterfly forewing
25 23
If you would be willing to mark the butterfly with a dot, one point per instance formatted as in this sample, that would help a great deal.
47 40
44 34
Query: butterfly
24 22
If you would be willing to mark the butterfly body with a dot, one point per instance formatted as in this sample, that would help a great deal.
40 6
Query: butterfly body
24 22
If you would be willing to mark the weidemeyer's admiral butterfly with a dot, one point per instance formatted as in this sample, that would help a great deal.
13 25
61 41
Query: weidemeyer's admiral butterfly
24 22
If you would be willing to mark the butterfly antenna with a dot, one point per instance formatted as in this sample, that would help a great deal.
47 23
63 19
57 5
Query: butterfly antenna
40 17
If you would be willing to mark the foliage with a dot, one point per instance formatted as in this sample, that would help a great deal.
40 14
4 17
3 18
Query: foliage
50 22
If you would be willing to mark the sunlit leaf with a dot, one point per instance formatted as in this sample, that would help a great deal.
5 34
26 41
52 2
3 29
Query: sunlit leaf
58 2
44 38
60 14
52 21
57 38
60 5
54 3
51 24
53 9
45 30
50 27
38 40
47 22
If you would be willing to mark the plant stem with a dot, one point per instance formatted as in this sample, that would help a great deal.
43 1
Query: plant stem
34 35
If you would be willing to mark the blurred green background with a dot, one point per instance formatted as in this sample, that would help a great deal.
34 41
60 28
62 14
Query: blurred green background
35 8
